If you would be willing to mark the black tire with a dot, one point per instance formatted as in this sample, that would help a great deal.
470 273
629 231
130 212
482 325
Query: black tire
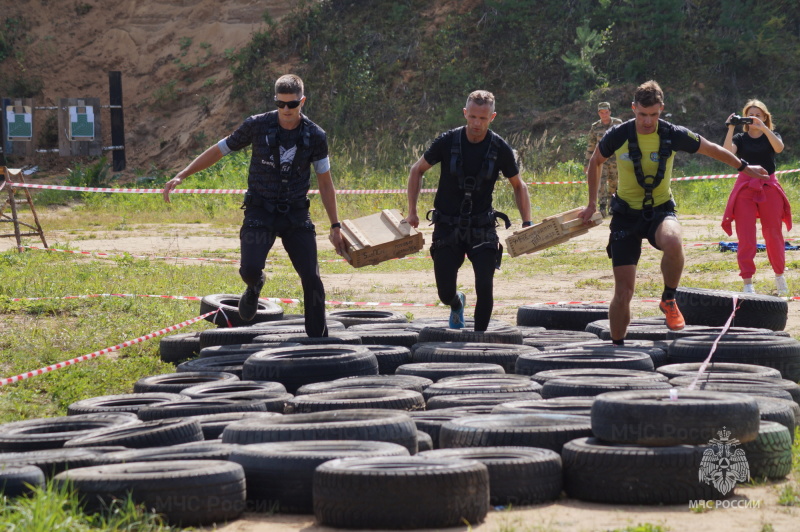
280 475
200 407
578 406
229 304
472 384
179 347
654 418
296 366
271 401
557 338
431 421
778 411
19 480
753 385
638 329
359 317
569 317
621 359
54 432
658 354
391 399
704 330
390 357
333 338
776 352
379 326
770 455
198 492
504 355
225 364
400 493
212 425
387 337
439 370
422 323
424 442
701 306
518 476
405 382
597 471
197 450
126 402
591 387
241 389
243 335
295 324
497 335
51 461
241 349
729 369
177 382
475 399
547 431
367 424
598 373
158 433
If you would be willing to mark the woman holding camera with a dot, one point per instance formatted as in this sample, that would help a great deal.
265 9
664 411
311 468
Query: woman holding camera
753 198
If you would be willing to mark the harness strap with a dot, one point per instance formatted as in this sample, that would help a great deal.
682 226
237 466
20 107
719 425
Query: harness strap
471 184
273 138
649 183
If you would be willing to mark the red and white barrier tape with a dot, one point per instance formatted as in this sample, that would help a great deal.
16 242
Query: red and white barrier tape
188 298
342 192
705 363
127 343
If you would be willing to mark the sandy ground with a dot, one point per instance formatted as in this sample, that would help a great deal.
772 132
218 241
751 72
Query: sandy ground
193 240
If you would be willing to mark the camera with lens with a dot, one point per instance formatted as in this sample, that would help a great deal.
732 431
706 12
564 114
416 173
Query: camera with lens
736 120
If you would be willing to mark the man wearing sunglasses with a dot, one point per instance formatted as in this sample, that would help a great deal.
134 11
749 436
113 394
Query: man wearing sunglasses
464 220
285 147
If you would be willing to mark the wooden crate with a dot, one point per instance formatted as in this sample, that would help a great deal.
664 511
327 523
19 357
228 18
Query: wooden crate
379 237
549 232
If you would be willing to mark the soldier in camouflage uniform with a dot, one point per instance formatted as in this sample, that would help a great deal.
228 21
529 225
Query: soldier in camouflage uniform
608 179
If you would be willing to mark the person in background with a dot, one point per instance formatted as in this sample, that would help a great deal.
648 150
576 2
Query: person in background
756 197
608 177
465 222
286 146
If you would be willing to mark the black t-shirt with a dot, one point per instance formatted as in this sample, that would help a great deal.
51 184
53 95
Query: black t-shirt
264 178
756 150
448 195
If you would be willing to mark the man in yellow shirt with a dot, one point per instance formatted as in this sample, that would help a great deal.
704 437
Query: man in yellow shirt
643 207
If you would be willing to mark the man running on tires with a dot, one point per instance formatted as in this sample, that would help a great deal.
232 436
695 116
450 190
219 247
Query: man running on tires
643 206
285 145
464 221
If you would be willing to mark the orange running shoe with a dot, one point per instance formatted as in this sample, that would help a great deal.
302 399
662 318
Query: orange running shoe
673 313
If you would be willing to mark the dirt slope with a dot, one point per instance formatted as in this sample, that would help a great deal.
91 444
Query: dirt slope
172 54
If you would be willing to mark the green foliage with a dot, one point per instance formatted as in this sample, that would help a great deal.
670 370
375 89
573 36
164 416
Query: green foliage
96 174
58 509
789 495
12 29
82 8
583 75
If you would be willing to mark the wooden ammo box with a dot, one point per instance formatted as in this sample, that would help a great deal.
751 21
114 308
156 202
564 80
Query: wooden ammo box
549 232
379 237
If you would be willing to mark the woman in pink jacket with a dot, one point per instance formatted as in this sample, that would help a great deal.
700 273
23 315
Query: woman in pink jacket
753 198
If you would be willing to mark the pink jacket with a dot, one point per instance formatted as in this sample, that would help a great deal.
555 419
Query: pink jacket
755 183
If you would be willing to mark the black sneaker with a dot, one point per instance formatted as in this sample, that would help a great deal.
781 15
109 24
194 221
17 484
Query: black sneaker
248 303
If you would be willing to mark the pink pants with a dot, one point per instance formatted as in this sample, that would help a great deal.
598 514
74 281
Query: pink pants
770 211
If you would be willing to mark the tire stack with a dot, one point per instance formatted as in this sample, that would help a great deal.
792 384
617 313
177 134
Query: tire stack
425 429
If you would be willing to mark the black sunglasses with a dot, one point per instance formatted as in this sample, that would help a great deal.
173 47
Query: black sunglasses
291 105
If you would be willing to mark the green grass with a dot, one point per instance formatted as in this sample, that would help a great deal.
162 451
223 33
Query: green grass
57 509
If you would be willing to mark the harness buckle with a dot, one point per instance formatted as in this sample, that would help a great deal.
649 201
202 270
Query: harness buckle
282 208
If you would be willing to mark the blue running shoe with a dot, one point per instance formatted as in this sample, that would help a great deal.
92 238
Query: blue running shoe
457 316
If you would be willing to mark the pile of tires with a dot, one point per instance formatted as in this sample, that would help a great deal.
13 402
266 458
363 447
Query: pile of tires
427 430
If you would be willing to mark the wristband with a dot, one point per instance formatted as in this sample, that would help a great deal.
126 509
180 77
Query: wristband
744 165
527 223
336 225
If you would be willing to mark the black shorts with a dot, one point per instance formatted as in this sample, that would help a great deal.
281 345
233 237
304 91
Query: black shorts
628 230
